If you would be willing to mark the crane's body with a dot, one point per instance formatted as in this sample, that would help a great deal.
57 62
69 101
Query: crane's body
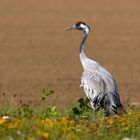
99 85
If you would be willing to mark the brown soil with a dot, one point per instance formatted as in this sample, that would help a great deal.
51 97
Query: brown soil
35 52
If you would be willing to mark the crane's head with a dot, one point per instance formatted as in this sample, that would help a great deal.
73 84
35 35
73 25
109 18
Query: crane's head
79 26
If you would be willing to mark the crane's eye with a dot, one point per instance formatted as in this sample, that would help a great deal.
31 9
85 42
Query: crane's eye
82 26
79 26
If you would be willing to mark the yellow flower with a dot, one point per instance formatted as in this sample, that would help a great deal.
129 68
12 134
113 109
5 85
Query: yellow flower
15 124
64 121
48 122
138 115
31 138
67 129
2 120
125 128
130 113
110 121
72 136
43 134
71 122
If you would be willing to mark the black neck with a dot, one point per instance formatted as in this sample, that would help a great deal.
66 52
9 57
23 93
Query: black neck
82 44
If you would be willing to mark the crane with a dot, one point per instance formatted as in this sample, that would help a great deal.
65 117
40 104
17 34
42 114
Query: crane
99 85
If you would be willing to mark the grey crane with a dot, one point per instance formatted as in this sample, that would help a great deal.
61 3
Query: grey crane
99 85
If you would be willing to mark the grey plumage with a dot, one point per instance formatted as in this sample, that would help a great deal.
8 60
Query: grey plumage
99 85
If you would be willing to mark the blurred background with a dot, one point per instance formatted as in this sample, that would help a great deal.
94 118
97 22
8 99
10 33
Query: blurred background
35 52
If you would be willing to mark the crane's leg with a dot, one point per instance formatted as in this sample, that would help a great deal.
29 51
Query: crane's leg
94 116
94 111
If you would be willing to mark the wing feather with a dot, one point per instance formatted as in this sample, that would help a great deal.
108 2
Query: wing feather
101 89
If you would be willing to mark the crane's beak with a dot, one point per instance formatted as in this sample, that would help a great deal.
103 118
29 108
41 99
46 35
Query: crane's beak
69 28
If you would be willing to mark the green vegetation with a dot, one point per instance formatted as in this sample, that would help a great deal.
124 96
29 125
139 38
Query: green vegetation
76 123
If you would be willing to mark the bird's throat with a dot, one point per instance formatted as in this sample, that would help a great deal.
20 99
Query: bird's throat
83 55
